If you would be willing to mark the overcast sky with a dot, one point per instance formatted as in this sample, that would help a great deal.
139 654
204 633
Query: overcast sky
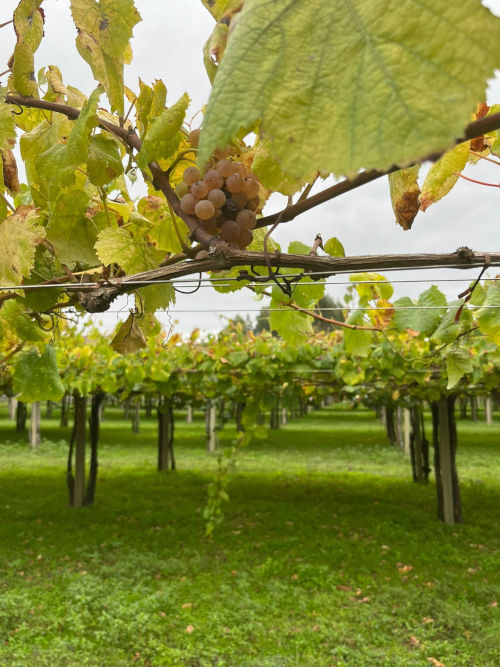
168 45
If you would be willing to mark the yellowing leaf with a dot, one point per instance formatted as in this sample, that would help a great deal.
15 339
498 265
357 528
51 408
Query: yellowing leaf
270 174
334 247
104 33
222 8
19 235
7 128
405 193
129 337
442 175
339 86
132 253
70 230
28 24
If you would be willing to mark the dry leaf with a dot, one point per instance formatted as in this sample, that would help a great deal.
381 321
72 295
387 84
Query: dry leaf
435 662
189 629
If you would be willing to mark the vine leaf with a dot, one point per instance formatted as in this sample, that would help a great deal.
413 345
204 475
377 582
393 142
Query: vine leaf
271 175
28 24
69 230
7 127
425 315
104 33
19 235
104 162
163 232
405 192
131 252
361 92
334 247
129 337
488 317
36 376
442 175
163 134
458 363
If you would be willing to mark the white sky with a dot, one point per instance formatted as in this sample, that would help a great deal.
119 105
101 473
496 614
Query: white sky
168 45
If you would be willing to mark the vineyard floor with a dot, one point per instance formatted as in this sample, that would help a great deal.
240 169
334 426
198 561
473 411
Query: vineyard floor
329 554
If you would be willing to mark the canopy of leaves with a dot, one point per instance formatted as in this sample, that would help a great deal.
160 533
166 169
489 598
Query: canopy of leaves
339 86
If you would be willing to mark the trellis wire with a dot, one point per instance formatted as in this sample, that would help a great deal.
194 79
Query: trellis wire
280 310
226 282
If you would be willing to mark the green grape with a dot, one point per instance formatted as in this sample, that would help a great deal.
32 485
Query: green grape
187 203
234 183
217 197
204 209
246 219
213 179
199 190
191 175
240 198
181 189
251 187
224 168
239 168
230 231
246 237
253 204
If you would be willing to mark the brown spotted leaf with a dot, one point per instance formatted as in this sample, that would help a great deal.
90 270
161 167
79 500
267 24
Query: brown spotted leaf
405 193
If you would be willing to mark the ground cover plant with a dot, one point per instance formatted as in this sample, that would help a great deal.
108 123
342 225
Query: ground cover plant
329 554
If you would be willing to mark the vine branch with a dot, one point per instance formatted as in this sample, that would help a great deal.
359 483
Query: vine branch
474 129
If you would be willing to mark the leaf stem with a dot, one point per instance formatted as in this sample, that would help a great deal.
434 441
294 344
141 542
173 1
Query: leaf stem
473 180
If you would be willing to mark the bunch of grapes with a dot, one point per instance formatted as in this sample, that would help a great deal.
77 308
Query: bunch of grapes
224 200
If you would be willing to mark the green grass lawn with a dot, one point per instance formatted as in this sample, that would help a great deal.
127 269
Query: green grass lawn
329 554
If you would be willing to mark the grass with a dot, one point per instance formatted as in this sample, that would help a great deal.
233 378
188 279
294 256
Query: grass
329 554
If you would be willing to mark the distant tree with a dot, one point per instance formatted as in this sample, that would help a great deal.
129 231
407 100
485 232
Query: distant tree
331 309
262 321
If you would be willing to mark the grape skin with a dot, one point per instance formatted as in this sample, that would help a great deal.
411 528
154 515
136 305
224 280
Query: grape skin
188 203
217 197
204 209
191 175
199 190
246 219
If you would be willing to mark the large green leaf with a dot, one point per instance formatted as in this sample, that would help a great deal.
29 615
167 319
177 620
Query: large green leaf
458 363
339 86
36 377
425 315
104 33
71 232
133 253
104 163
